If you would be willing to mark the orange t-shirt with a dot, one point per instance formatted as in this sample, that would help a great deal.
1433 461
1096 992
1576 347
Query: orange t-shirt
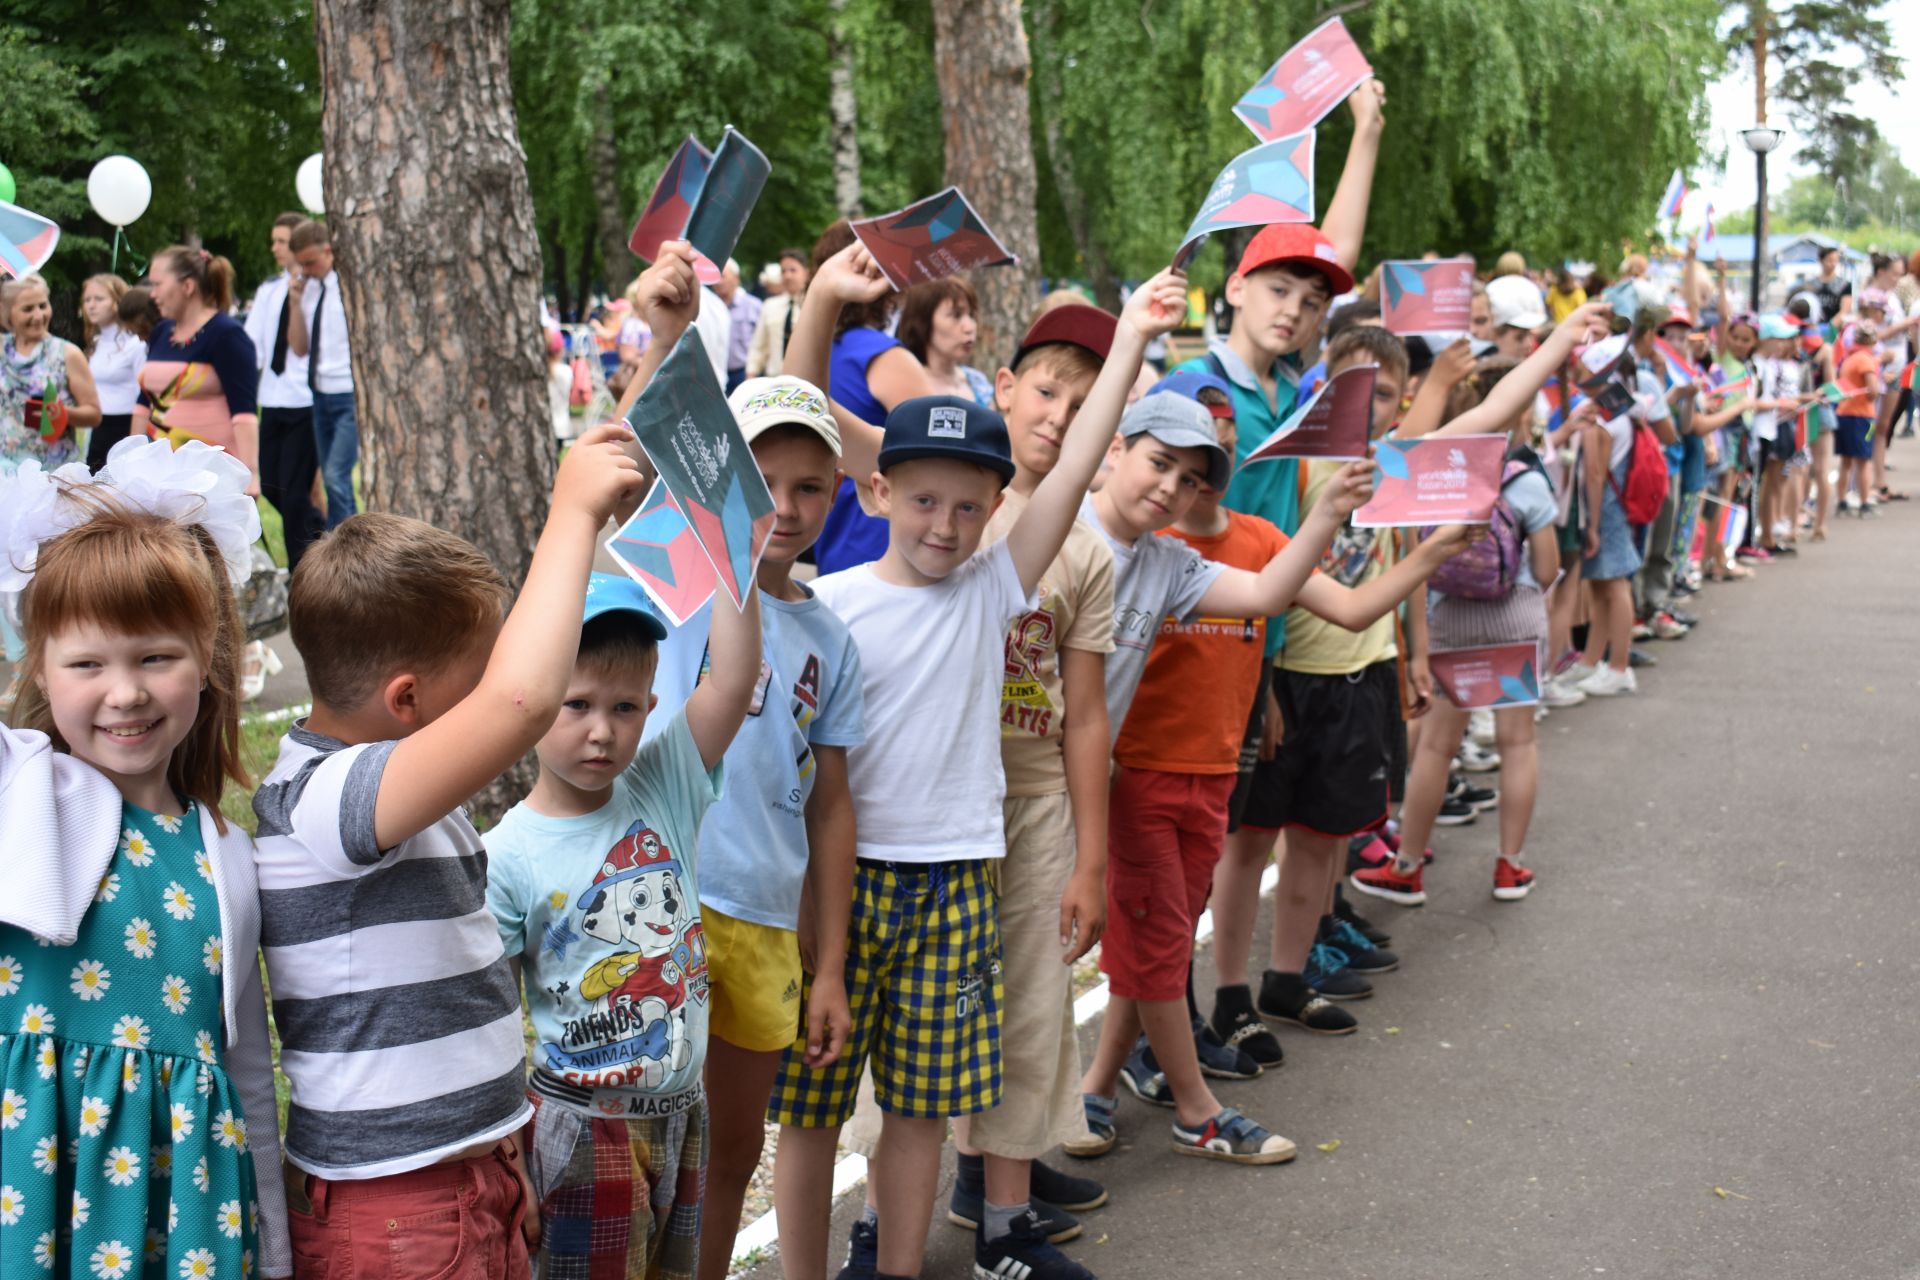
1190 713
1857 373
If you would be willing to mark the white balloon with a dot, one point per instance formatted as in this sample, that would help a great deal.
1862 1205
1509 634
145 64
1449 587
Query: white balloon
119 190
308 185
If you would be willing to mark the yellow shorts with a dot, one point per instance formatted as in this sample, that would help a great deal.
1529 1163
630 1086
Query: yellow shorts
753 975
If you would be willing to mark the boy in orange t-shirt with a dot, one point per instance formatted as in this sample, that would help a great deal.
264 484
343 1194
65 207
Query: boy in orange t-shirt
1860 389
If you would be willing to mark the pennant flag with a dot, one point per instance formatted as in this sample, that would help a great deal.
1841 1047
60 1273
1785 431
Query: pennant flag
1307 82
26 240
665 217
1675 197
1272 182
931 238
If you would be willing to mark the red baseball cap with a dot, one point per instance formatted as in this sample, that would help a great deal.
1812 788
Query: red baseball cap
1677 313
1296 244
1077 323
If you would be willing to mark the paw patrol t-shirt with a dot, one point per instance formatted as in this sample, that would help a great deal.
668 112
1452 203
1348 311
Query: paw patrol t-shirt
602 912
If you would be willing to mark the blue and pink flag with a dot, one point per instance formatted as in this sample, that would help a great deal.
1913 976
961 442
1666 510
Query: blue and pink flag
930 239
1307 82
1427 297
26 240
658 549
1675 197
1487 675
665 217
1272 182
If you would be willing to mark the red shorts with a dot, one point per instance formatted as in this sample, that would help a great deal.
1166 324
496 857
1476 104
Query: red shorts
1164 834
458 1219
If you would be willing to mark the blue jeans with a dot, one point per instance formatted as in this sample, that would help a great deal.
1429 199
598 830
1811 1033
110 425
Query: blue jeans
336 437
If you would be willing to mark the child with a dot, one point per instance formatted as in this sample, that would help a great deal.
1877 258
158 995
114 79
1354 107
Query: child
593 879
400 1027
1861 387
1336 684
930 618
133 1033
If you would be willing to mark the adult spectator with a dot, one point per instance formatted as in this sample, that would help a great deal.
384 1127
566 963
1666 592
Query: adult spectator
868 374
1515 311
1832 290
114 355
743 315
317 329
937 324
200 381
1896 332
1566 297
289 456
768 350
46 388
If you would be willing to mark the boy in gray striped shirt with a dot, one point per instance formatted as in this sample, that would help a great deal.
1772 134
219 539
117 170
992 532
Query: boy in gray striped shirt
399 1023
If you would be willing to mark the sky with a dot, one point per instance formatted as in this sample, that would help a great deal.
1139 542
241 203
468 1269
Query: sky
1731 102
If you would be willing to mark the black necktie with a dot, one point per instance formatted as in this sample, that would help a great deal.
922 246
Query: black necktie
786 334
279 362
313 344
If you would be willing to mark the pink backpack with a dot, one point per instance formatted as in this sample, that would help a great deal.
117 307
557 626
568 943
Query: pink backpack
1487 569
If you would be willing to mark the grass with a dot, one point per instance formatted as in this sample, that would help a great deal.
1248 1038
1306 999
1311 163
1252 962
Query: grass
259 746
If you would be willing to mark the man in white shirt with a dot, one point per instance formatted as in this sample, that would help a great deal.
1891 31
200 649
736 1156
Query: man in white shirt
743 313
770 336
317 330
288 457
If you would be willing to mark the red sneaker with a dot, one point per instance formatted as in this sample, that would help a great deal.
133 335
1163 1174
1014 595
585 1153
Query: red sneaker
1385 882
1375 852
1511 881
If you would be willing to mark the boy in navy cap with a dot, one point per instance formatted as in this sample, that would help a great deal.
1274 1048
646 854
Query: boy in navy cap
930 617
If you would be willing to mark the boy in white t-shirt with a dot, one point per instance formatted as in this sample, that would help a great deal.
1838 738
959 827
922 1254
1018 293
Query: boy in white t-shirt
930 618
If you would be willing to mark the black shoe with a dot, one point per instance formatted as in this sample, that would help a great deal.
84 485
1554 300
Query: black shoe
1328 974
1143 1077
1479 799
1685 619
1235 1023
1455 813
1285 997
1219 1059
968 1205
1362 956
1341 907
863 1252
1024 1253
1064 1191
1638 657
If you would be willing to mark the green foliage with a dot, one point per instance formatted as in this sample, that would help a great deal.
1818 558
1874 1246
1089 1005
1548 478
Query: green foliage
1802 39
218 99
1881 213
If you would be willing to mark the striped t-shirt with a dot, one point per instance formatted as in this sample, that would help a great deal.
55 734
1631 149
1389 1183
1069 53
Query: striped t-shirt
399 1023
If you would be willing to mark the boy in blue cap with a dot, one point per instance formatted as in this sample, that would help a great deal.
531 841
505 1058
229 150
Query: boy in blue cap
923 968
593 881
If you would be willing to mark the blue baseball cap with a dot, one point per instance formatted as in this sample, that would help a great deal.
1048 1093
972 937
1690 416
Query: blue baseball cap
947 427
616 593
1190 383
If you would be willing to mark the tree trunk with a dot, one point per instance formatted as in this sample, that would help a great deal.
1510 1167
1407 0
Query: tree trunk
844 111
440 270
980 50
616 260
1093 251
562 291
585 278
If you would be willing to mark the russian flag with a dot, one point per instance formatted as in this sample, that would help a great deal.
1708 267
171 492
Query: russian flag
1707 232
1679 368
1676 195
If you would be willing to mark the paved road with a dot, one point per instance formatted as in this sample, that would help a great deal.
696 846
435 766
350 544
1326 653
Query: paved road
1713 987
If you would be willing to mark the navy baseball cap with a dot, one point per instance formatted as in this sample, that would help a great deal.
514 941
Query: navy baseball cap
1190 383
947 427
616 593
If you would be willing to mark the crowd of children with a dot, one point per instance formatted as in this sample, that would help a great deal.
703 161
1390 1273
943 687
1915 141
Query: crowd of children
832 853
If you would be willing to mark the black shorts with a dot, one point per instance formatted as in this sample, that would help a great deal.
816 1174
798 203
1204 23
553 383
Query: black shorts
1249 751
1333 773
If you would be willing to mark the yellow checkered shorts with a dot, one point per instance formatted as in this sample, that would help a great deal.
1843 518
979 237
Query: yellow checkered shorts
923 986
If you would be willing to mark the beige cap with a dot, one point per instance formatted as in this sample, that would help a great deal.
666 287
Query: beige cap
759 404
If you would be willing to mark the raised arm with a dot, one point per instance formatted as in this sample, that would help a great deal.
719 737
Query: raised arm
716 709
1357 608
1346 220
1155 308
849 276
1238 593
1451 367
1516 390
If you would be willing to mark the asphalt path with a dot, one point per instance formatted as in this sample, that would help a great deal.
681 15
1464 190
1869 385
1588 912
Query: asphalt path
1692 1052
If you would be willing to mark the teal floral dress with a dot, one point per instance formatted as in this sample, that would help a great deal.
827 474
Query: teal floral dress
123 1150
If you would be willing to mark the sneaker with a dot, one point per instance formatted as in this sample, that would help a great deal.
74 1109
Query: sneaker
1328 974
1362 956
1759 554
1574 672
1481 799
1024 1253
1638 657
1219 1059
1235 1023
1511 881
1559 692
1386 882
1145 1082
1666 627
1480 727
1228 1136
1475 758
1642 630
1367 851
1377 936
1685 619
1870 511
1101 1136
1607 683
1455 813
968 1207
1065 1191
863 1252
1286 997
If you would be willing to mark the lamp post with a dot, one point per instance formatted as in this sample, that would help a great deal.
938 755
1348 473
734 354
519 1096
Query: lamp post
1760 139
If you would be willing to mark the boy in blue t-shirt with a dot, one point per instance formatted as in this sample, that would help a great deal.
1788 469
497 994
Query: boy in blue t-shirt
593 881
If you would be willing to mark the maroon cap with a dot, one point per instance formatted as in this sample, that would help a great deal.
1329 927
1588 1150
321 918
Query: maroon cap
1296 244
1077 323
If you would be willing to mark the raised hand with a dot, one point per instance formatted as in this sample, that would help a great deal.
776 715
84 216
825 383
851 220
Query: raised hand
598 476
1157 307
669 292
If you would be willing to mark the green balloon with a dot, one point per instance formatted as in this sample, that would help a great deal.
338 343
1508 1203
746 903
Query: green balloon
6 184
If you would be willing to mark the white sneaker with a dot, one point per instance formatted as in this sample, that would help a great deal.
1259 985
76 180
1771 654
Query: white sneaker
1475 758
1480 727
1574 674
1561 692
1606 683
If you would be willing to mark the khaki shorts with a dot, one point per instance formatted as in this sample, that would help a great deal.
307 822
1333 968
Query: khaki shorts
753 974
1040 1055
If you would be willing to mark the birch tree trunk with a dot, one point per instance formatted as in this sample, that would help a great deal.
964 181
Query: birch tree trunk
843 109
617 262
980 49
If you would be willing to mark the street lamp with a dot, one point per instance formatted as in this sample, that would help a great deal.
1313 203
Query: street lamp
1760 139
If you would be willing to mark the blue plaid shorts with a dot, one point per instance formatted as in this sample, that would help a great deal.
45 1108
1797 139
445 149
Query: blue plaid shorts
924 988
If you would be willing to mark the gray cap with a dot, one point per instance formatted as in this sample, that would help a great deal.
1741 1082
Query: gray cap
1184 424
